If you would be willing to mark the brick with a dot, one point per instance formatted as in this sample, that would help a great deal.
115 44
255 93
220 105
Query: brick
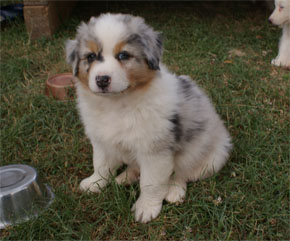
43 20
35 2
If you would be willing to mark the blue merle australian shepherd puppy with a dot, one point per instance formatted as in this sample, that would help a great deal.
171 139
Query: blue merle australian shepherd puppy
136 112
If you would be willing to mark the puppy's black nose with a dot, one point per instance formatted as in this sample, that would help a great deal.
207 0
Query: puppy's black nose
103 81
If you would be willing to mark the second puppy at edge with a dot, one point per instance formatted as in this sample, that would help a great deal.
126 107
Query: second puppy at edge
136 112
281 18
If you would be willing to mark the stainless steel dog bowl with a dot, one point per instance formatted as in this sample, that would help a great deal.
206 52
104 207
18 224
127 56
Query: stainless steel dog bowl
22 195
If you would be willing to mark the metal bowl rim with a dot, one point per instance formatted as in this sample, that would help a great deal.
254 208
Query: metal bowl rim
31 175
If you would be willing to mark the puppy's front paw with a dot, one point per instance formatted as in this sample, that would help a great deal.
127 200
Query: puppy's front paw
273 62
91 184
281 62
276 62
146 210
176 194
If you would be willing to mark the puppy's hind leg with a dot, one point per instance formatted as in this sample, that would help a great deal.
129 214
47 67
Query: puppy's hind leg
177 189
129 176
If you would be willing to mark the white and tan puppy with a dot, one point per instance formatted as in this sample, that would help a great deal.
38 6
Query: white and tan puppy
281 17
135 112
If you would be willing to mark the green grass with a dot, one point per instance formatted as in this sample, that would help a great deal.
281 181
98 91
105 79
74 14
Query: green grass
248 199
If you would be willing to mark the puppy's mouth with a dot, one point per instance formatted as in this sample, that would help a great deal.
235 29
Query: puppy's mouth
286 22
106 92
281 25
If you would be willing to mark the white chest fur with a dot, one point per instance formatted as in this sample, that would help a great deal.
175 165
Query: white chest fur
131 120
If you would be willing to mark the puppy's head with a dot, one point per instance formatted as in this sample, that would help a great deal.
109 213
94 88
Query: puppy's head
114 53
281 13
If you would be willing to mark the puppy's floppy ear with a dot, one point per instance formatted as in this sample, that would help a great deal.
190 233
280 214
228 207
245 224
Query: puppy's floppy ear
152 47
150 41
153 50
72 57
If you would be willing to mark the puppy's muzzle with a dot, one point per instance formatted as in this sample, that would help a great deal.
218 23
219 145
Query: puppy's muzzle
103 81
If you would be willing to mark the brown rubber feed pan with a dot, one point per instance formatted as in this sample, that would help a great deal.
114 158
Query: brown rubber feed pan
61 87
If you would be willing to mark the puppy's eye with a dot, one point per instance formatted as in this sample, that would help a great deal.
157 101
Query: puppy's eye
91 57
123 56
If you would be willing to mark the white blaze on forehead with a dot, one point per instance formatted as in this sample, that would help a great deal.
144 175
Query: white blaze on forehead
110 67
109 32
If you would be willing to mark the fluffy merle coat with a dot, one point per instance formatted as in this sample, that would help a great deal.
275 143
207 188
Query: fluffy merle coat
136 112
